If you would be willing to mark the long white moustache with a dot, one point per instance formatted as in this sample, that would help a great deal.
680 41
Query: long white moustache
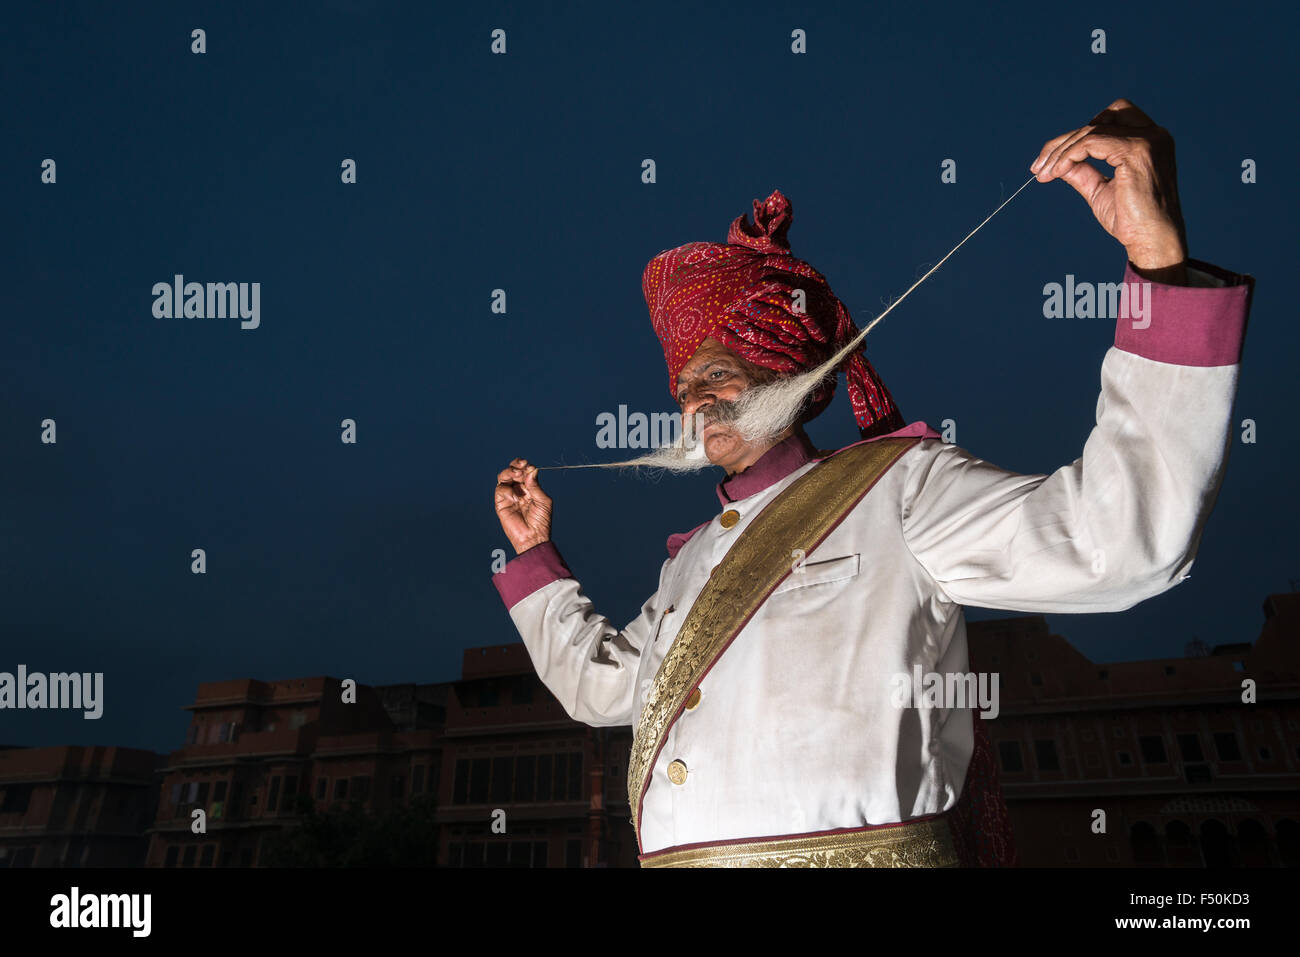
686 454
766 410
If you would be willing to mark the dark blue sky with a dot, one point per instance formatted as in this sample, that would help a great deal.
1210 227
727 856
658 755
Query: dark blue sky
522 172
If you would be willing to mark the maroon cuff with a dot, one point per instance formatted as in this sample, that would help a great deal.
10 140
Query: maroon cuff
1185 325
530 570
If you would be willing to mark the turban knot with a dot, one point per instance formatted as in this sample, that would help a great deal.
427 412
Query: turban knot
746 294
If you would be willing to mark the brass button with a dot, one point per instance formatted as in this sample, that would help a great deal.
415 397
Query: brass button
677 772
730 517
693 699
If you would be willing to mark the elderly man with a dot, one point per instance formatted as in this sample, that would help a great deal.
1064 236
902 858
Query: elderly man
759 675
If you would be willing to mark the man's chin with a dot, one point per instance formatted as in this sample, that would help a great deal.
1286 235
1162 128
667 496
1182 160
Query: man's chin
720 449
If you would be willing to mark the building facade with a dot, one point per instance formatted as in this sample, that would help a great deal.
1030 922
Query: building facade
76 806
258 755
1179 762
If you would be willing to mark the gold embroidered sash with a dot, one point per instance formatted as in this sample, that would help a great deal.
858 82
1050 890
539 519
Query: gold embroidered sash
799 518
923 842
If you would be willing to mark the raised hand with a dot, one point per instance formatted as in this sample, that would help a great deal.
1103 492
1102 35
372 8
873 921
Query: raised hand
1139 204
522 507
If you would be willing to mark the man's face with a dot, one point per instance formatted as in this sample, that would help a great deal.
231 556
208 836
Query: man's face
716 373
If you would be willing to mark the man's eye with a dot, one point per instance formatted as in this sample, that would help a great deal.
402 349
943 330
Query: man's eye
722 372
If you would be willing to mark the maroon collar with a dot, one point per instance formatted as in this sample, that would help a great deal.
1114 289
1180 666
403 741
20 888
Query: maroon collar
773 465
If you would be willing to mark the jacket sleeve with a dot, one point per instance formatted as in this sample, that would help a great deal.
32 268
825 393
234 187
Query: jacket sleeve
1122 522
588 664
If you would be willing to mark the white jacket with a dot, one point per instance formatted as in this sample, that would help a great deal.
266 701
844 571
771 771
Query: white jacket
795 730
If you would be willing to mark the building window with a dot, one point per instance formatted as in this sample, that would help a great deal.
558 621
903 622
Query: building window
16 799
201 796
460 790
322 788
205 859
1072 854
544 763
1045 755
290 786
573 853
525 766
298 718
398 787
361 787
1009 754
341 789
1169 670
1265 753
575 776
523 692
487 695
1225 743
417 779
1103 674
1189 746
501 782
1124 758
478 781
187 859
1153 749
170 859
273 797
1036 678
561 777
219 791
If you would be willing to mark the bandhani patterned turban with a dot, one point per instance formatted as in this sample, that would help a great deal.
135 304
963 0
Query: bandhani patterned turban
741 293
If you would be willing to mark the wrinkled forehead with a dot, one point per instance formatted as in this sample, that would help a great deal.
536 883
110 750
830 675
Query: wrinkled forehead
710 350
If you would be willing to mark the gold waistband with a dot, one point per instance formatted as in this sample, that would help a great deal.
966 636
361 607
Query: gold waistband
926 843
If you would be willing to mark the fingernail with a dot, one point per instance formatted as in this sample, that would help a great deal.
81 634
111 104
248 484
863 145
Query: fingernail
1033 167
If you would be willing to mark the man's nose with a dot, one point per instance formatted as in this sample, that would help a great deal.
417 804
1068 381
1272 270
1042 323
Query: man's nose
697 399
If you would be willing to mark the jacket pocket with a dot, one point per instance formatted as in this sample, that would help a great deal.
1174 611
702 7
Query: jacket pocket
821 572
662 618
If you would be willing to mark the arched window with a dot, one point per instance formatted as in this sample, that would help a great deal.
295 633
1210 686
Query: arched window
1288 842
1252 842
1216 844
1144 844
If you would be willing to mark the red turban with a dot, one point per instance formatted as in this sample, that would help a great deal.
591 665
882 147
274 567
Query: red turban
741 293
